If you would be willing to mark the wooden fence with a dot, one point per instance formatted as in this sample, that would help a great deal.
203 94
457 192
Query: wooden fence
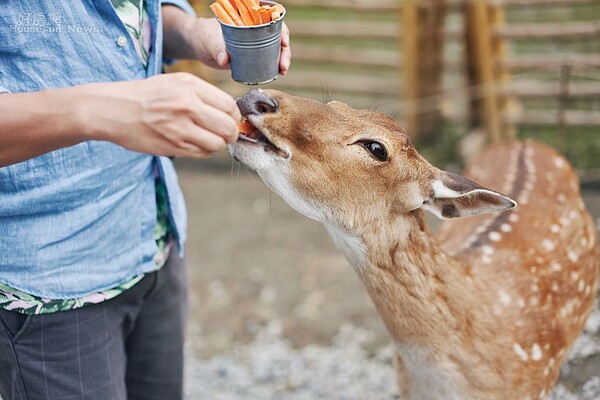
499 64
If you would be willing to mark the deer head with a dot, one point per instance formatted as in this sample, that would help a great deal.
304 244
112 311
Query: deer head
328 161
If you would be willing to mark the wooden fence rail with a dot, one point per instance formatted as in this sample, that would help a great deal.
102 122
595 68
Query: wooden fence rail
360 51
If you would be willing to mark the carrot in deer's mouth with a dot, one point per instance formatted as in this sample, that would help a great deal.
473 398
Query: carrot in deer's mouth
249 133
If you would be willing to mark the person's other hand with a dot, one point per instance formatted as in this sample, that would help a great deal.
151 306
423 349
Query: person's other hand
207 39
175 114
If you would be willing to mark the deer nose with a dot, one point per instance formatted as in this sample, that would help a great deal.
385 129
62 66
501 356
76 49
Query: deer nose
256 102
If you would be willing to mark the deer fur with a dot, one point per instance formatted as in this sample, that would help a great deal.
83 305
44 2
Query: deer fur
486 309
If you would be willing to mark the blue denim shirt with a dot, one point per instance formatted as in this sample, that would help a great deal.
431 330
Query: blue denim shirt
80 219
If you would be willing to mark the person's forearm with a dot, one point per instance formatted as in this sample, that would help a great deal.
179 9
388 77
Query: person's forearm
193 38
35 123
176 27
170 114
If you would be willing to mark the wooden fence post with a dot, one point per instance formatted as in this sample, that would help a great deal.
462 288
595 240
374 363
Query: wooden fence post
423 66
410 19
488 74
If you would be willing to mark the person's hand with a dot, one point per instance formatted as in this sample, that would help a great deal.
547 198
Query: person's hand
202 39
175 114
207 40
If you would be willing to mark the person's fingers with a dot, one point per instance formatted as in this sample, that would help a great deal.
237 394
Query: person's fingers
217 122
199 138
222 59
285 58
216 98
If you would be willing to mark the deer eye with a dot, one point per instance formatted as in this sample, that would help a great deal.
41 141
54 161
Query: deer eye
377 149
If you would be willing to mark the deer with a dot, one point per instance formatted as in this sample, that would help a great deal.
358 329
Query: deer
488 307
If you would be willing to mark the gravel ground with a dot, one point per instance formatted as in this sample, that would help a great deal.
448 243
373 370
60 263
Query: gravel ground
270 368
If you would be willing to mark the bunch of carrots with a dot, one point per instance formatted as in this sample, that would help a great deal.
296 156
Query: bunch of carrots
245 12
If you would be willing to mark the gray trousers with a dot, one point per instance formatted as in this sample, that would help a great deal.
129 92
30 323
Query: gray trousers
129 347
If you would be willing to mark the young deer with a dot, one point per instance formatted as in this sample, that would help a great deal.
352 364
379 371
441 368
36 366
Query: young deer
489 308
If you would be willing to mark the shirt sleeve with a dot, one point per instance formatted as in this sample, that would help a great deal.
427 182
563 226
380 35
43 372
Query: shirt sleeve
183 4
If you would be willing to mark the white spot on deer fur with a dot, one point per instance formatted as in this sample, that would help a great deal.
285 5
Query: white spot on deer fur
563 220
513 217
495 236
520 352
542 394
588 290
504 298
551 362
533 270
529 186
574 275
555 228
523 199
482 228
546 371
559 162
573 256
581 285
505 228
536 352
535 288
561 352
548 245
540 260
555 287
486 260
534 301
487 250
521 303
561 198
555 266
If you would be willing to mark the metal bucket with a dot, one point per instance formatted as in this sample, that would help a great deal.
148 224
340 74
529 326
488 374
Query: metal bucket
254 50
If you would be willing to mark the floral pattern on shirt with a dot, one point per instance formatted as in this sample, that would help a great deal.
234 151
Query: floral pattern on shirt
134 16
15 300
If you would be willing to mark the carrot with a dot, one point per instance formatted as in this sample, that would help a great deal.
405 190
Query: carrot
231 11
221 13
253 13
245 127
264 15
279 8
234 6
244 13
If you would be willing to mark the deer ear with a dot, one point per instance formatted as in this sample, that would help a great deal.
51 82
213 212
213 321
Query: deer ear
454 196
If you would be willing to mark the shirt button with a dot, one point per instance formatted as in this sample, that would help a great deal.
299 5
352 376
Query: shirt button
121 41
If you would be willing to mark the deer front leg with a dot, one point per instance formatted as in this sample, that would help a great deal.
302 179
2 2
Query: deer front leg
401 376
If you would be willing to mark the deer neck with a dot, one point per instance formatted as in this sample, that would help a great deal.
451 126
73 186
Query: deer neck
421 293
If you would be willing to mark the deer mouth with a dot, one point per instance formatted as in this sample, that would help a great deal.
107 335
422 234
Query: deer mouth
255 136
